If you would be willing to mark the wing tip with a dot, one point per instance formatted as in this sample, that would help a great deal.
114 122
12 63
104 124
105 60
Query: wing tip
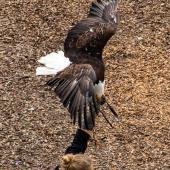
99 8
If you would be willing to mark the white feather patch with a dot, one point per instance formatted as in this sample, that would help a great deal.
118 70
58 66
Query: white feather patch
53 63
40 71
99 88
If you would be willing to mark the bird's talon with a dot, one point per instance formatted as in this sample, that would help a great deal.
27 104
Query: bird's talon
101 100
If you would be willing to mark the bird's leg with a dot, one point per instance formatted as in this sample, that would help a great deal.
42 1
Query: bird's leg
103 100
103 114
112 110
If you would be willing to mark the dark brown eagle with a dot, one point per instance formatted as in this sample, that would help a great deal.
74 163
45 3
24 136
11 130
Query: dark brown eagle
80 86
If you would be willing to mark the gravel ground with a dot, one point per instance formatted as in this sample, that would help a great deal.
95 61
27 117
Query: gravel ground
34 127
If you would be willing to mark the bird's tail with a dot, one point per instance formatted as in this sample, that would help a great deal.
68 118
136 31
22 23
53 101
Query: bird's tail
53 63
106 9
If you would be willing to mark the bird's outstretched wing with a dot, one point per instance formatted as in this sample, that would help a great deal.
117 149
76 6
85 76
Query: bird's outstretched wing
75 85
88 38
75 88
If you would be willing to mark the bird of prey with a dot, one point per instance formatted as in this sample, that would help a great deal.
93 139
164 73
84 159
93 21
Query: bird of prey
80 86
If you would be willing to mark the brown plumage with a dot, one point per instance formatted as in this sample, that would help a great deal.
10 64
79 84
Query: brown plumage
84 45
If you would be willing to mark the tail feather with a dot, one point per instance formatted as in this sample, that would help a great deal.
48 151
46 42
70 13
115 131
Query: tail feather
53 63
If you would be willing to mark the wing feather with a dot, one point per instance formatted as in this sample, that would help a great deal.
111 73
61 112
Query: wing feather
85 111
75 88
73 105
92 106
52 82
63 86
92 111
66 102
76 112
68 93
81 111
90 35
